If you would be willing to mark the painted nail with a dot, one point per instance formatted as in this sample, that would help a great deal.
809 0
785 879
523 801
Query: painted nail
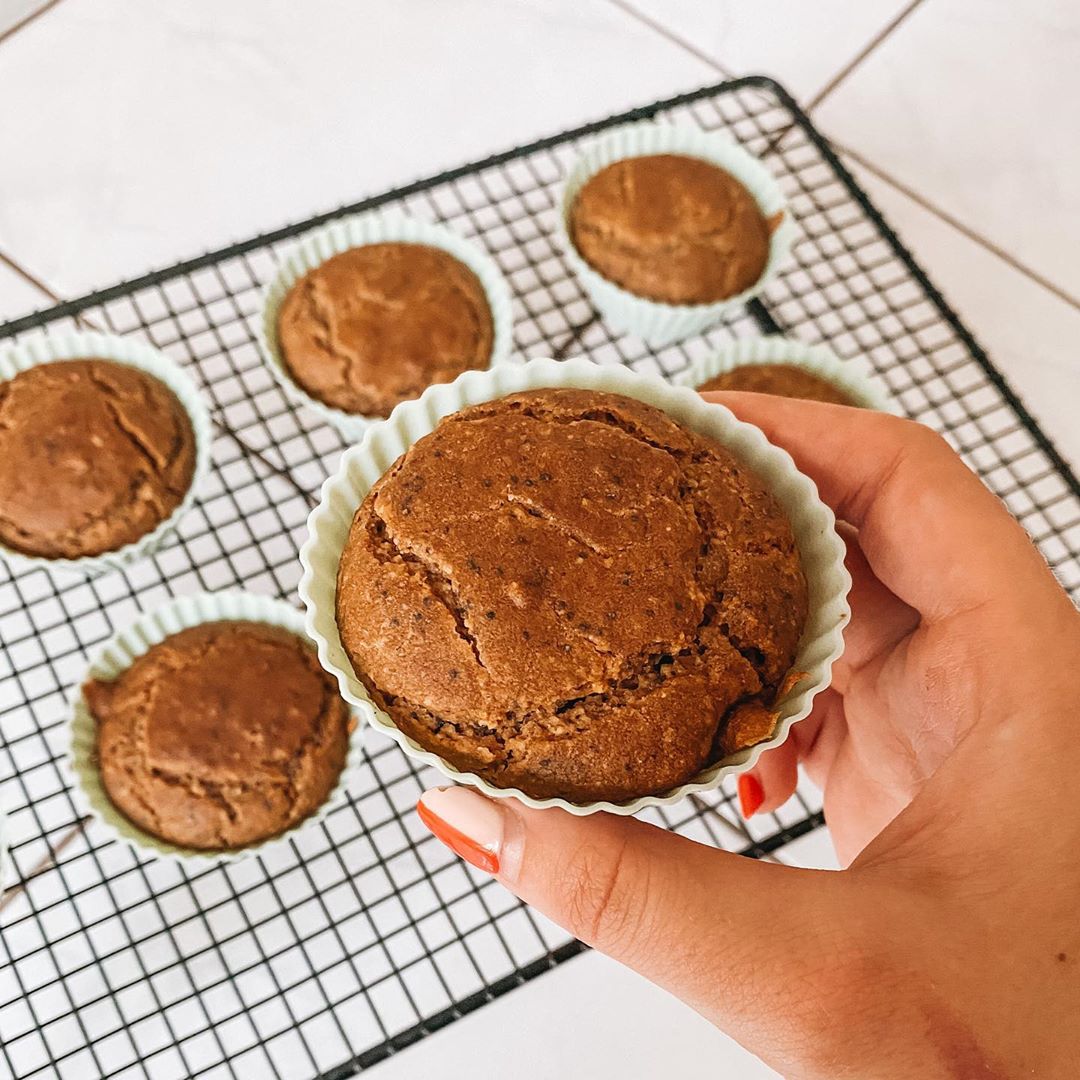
468 823
751 794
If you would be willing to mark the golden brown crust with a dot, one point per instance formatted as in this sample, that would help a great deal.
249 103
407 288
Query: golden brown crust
221 735
567 592
784 380
93 455
378 324
749 723
671 228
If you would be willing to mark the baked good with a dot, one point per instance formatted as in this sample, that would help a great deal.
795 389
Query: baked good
93 455
378 324
671 228
785 380
568 593
221 735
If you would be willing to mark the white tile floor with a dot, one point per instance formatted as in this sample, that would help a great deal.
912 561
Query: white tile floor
974 106
169 137
804 45
138 134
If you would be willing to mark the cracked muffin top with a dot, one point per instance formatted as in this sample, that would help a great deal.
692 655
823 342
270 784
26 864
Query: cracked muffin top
93 455
378 324
671 228
221 735
784 380
570 594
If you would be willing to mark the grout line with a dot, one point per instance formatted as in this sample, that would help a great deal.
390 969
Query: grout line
17 268
11 31
860 56
948 219
43 863
21 271
674 38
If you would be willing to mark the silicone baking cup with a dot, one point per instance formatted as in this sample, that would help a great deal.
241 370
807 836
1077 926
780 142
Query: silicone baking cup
358 231
854 377
625 312
45 349
115 657
820 547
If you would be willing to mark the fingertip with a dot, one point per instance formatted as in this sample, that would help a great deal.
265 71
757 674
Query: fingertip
470 825
777 772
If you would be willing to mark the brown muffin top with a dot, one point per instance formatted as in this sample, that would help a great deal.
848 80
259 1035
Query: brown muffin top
379 324
785 380
569 593
93 455
221 735
671 228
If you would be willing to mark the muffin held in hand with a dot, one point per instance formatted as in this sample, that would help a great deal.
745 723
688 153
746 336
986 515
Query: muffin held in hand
378 324
568 593
222 735
93 456
671 228
784 380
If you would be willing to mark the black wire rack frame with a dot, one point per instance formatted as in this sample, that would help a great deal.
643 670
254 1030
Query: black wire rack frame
364 935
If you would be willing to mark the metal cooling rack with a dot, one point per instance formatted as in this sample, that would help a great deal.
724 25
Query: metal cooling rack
365 934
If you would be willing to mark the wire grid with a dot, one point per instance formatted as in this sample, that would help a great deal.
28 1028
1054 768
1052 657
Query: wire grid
364 934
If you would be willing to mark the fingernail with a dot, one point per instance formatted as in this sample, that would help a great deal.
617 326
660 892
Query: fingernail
751 794
468 823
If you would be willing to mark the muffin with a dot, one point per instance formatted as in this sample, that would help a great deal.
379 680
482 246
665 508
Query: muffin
377 324
784 380
671 228
568 593
222 735
93 456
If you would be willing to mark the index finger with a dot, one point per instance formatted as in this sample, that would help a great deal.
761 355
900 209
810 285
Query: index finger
931 531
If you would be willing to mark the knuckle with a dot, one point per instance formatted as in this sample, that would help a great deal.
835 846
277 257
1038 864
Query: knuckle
913 436
607 894
917 452
928 441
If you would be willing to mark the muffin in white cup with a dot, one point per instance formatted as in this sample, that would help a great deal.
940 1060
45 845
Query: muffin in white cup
207 730
456 624
103 444
371 310
789 368
669 228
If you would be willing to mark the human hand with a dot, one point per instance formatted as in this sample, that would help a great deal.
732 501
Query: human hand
945 626
951 947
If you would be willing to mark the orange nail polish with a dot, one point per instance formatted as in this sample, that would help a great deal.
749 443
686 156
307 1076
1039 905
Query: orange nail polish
478 855
751 794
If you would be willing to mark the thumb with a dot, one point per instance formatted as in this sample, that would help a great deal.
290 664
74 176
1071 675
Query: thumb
737 940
